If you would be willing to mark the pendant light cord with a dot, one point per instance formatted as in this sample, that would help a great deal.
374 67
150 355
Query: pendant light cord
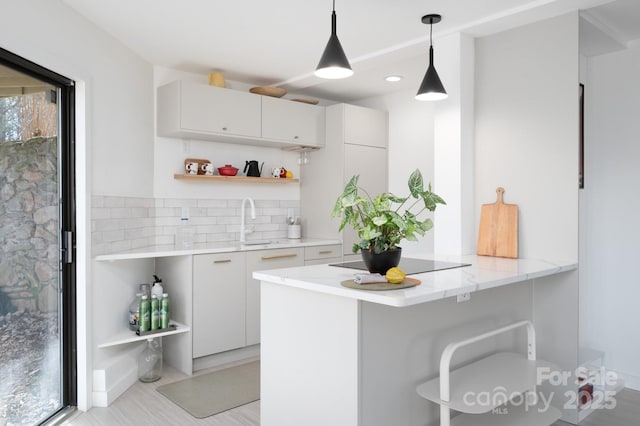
430 32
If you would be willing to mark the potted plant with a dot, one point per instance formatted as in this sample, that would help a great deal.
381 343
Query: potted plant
383 221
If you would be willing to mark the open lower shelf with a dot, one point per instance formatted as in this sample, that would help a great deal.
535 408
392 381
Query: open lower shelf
237 178
509 415
504 373
128 336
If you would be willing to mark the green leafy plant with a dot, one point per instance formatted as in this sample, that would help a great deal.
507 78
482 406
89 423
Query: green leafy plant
383 221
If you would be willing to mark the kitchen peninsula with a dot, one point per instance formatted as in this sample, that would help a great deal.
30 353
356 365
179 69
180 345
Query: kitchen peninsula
335 355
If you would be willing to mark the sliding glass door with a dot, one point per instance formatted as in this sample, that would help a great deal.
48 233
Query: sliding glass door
37 298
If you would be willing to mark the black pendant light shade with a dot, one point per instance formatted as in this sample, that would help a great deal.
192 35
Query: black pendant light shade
333 63
431 88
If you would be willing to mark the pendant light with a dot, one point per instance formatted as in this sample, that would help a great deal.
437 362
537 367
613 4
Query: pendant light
333 63
431 88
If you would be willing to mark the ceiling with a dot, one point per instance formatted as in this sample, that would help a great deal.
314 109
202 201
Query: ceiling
14 83
280 42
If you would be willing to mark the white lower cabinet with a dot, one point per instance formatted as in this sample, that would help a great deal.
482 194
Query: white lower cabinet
226 298
259 261
219 294
320 255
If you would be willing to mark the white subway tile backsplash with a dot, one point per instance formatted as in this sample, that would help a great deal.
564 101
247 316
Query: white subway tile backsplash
124 223
267 203
213 203
123 245
113 236
112 202
274 211
180 202
165 212
197 211
100 213
210 229
97 201
164 239
219 211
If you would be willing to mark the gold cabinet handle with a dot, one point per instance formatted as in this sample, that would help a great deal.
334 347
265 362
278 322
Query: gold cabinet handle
325 252
222 261
278 256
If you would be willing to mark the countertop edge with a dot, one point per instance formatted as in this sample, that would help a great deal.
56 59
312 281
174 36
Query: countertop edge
224 247
484 273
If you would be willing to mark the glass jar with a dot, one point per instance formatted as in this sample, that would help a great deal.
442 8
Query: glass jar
134 312
150 362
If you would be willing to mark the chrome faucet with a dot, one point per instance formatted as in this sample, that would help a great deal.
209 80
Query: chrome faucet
243 230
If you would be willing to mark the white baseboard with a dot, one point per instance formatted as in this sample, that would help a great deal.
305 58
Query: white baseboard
113 379
236 355
631 381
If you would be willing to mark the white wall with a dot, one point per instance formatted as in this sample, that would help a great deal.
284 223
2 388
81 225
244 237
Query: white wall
527 142
118 85
420 132
527 132
115 92
609 281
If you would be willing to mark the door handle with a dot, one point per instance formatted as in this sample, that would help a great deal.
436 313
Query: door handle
278 256
222 261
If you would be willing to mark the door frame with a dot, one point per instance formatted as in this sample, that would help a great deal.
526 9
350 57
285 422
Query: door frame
67 215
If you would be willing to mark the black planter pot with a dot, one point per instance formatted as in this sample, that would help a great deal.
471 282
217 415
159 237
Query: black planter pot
381 262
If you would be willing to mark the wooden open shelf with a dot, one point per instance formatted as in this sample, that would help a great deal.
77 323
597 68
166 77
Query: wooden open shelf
237 178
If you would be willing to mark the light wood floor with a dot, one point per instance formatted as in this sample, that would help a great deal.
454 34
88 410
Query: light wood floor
142 405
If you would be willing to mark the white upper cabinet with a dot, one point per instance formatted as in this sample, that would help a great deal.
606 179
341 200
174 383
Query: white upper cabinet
191 110
365 126
293 122
219 110
198 111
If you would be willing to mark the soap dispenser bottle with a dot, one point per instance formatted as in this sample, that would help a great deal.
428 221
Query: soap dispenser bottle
156 289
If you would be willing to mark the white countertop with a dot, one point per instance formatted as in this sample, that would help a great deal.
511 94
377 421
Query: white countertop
484 273
220 247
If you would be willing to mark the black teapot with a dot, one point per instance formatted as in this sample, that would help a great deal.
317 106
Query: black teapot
251 168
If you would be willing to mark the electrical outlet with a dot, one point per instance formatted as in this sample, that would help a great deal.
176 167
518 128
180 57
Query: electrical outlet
464 297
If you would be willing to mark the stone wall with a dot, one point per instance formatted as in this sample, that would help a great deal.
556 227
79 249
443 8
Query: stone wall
29 225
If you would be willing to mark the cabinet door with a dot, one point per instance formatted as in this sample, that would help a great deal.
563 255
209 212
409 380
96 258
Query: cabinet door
218 303
365 126
371 164
293 122
322 254
219 110
261 260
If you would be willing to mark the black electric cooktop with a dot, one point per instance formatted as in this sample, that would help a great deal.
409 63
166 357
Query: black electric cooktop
409 266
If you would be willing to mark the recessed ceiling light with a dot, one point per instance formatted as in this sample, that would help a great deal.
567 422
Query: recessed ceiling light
393 78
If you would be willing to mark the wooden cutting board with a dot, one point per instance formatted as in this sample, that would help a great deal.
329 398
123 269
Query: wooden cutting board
498 234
